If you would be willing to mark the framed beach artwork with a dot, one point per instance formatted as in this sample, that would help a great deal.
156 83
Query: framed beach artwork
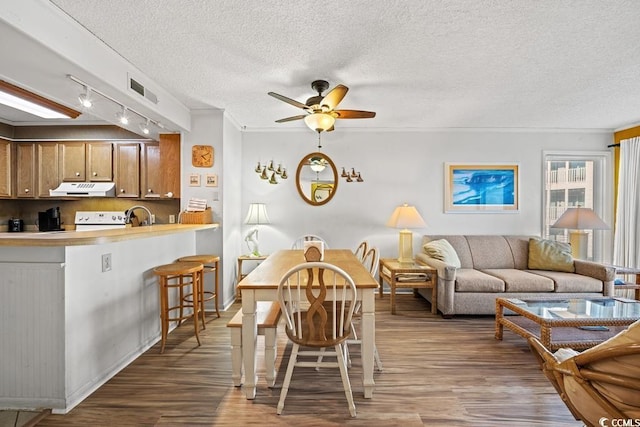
481 187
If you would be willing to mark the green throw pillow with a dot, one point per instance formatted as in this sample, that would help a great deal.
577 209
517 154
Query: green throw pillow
550 255
442 250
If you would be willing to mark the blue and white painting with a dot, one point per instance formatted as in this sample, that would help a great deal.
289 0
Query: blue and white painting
481 188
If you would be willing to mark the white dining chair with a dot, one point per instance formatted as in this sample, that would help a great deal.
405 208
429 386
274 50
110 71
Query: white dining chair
314 321
299 242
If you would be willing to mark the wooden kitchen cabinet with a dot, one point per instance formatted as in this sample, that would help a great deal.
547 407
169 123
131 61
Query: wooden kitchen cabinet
170 163
6 168
126 173
72 161
86 161
150 172
99 165
48 168
25 169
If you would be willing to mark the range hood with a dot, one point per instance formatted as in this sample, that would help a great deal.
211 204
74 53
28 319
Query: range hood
85 189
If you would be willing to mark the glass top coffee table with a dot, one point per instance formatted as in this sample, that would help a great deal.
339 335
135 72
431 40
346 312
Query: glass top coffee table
578 323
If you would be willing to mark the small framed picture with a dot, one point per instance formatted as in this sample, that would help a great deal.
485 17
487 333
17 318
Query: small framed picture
194 180
212 180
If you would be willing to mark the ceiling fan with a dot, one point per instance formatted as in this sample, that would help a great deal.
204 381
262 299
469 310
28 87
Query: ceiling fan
320 110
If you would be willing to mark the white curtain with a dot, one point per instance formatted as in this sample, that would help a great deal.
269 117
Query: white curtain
627 232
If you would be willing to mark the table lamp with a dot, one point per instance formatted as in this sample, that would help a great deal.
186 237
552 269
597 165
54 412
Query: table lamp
405 217
257 215
576 220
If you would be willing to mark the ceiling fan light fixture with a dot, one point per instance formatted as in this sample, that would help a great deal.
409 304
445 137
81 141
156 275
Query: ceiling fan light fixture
319 121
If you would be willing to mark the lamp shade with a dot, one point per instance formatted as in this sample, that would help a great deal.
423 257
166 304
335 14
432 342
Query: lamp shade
580 219
319 121
406 216
257 214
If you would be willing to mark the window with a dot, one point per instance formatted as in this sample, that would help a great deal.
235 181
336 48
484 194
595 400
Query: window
578 179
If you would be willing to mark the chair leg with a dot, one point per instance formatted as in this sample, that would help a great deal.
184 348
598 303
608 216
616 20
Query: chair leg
345 380
287 379
376 357
320 359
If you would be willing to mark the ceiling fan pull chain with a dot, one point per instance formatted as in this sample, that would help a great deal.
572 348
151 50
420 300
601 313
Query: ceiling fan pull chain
319 143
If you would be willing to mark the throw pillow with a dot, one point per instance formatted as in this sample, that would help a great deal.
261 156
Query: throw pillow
550 255
442 250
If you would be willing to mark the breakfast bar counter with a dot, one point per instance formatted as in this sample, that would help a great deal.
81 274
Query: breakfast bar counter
78 306
75 238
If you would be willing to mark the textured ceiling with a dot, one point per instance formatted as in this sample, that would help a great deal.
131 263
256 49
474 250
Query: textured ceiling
417 63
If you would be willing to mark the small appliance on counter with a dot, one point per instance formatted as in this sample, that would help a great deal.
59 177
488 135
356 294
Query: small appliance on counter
49 220
15 225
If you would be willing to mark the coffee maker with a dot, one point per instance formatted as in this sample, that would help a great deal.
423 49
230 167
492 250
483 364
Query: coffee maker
49 220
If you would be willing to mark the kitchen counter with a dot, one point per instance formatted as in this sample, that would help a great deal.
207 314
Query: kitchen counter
68 320
77 238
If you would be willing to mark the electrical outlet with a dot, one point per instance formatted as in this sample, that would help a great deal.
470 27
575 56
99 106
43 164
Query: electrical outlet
106 262
172 219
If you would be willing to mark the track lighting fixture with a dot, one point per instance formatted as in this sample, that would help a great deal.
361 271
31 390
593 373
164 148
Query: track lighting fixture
144 127
85 98
124 116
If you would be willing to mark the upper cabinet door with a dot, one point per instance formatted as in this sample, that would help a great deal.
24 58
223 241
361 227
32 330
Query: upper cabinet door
26 169
150 172
48 173
126 171
5 169
99 161
170 163
72 161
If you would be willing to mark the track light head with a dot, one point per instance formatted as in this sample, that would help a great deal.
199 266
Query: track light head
122 116
85 98
144 127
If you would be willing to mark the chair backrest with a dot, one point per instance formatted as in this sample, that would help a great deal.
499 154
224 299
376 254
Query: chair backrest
361 251
318 301
371 260
299 242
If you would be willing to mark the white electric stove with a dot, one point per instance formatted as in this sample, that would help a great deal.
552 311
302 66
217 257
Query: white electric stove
99 220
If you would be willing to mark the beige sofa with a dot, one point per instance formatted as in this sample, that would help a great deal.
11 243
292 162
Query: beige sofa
497 266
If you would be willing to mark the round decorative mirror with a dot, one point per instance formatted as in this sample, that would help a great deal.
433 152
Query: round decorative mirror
317 179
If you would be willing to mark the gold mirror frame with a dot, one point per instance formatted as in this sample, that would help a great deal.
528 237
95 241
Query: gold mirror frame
322 192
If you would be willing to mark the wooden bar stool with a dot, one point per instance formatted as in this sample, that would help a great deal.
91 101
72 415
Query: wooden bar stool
210 263
180 275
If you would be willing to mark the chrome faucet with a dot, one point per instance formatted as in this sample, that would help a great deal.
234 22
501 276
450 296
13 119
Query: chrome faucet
144 208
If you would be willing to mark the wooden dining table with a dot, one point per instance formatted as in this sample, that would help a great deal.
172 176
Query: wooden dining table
262 285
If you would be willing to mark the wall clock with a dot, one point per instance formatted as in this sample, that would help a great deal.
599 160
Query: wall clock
202 156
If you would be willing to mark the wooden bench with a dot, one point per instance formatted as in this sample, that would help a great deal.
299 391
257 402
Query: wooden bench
267 318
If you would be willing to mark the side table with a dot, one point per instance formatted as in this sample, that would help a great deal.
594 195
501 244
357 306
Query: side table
628 285
241 275
408 275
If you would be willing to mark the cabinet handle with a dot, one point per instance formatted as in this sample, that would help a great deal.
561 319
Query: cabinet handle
149 191
122 190
77 173
26 190
95 174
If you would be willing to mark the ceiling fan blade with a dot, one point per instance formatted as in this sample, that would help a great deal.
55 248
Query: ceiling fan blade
353 114
335 95
288 100
290 119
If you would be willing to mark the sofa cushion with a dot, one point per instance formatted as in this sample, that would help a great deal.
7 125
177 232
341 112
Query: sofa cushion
550 255
490 252
459 244
442 250
570 282
470 280
520 249
522 281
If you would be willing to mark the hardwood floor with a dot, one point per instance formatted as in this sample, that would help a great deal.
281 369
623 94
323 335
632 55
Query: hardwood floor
437 372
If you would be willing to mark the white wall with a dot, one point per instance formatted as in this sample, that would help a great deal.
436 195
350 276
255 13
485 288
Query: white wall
397 167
